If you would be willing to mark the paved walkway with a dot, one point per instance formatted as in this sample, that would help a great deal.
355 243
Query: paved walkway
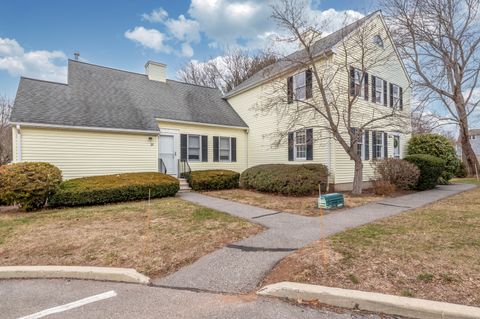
239 267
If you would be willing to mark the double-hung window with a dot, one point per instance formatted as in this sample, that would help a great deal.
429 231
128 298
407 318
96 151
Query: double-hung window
379 93
395 95
379 145
300 145
358 80
194 148
300 86
224 149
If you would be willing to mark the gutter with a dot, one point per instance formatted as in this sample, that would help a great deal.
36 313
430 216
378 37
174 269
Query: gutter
84 128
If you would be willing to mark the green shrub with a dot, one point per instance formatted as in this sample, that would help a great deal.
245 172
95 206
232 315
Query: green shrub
286 179
462 171
431 168
29 184
213 179
400 173
439 146
114 188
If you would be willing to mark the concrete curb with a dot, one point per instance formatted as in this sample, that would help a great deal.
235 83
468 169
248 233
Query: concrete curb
73 272
375 302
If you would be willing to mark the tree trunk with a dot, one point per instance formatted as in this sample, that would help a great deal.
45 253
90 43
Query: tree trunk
358 178
468 155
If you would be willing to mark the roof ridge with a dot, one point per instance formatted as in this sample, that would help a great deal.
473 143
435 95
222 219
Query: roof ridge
106 67
41 80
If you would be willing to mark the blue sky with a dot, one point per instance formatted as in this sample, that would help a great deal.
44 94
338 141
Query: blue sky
37 37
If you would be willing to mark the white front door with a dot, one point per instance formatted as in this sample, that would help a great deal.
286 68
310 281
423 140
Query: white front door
396 146
167 153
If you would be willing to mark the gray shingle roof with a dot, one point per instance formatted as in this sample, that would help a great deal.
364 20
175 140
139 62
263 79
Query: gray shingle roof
321 46
97 96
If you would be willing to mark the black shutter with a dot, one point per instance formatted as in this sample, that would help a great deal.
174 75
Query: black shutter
385 93
309 135
233 145
385 145
401 99
290 146
365 89
183 146
290 89
308 82
374 96
352 81
374 145
391 95
367 145
204 148
215 148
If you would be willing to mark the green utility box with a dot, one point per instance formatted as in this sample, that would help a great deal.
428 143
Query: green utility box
331 201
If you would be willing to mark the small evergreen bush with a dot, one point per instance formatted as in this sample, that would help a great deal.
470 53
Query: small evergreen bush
431 168
213 179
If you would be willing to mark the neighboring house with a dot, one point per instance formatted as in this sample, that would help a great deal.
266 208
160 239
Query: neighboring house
107 121
474 135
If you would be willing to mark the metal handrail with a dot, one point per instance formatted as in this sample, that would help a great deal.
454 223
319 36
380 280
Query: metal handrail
184 168
162 168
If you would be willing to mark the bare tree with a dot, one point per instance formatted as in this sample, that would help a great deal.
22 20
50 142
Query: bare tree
338 84
440 41
5 131
226 71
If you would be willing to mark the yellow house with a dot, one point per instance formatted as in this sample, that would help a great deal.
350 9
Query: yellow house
107 121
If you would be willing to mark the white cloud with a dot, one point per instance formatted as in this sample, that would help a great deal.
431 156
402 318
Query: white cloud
157 15
187 50
149 38
184 29
41 64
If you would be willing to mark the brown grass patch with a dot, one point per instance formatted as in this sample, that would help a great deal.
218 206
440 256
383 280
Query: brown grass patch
431 253
118 235
303 205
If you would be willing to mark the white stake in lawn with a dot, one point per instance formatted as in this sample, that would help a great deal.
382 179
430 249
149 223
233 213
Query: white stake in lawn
72 305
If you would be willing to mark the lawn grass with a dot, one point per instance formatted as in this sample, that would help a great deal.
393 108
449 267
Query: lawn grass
303 205
431 253
468 180
155 241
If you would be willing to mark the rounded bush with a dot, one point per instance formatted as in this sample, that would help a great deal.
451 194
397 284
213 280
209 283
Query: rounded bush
286 179
439 146
29 184
213 179
402 174
105 189
431 168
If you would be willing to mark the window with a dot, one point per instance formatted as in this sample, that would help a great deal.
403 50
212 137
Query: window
358 77
377 40
194 148
379 93
299 86
301 145
379 147
360 146
396 146
395 95
224 149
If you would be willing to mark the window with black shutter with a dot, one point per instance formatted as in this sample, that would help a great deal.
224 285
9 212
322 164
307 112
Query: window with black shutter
290 89
309 86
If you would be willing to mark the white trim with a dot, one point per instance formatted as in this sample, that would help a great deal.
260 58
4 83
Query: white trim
200 123
86 128
18 139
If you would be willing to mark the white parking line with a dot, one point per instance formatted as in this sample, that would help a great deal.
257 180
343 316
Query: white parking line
68 306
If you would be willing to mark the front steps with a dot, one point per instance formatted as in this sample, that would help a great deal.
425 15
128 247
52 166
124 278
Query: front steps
184 187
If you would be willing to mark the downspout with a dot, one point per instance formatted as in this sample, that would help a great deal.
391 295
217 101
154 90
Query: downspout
19 143
246 132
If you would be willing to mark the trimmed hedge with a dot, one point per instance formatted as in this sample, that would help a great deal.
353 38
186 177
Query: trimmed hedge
286 179
439 146
213 179
28 184
431 168
114 188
